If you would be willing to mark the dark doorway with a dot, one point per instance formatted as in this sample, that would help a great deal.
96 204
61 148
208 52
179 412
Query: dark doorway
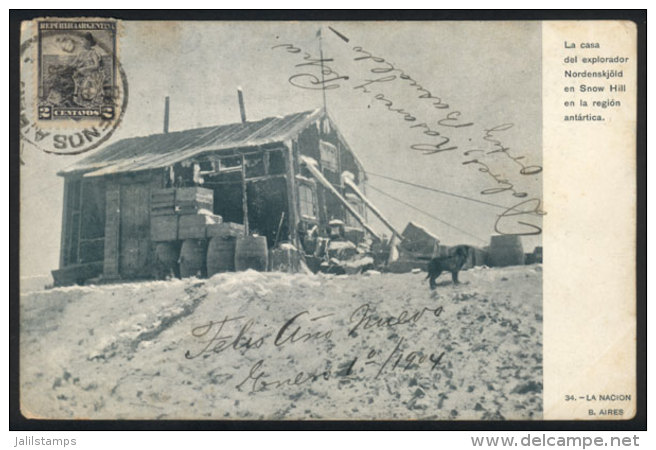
227 195
267 206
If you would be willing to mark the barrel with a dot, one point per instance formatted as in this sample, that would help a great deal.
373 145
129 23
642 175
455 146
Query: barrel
506 250
251 253
221 255
192 258
166 259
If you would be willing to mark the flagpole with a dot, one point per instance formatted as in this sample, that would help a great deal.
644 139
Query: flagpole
323 85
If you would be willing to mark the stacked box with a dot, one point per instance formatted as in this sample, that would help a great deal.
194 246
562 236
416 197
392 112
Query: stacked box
418 242
162 202
164 228
192 200
225 229
194 226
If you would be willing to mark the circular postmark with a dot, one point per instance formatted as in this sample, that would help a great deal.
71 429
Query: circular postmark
74 92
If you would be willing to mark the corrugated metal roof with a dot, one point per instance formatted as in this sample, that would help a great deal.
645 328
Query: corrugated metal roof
163 150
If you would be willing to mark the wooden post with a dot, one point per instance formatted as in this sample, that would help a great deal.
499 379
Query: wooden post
244 196
166 115
242 108
79 221
291 194
350 182
63 248
71 219
330 188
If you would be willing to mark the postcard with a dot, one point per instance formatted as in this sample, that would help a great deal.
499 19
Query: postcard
327 220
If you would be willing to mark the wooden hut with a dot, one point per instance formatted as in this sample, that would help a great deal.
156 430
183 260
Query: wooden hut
256 175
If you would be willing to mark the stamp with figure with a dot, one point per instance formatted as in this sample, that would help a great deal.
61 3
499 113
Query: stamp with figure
77 70
73 91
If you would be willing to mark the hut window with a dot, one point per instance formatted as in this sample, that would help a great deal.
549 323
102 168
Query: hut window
205 166
231 163
276 162
351 221
328 156
307 201
254 165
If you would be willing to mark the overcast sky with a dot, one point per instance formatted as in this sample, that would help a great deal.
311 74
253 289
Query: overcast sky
490 73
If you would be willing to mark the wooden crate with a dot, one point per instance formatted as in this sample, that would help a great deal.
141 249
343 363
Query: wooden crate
194 226
164 228
162 202
417 240
192 200
167 211
163 197
225 229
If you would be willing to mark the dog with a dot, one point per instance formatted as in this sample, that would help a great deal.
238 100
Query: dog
452 263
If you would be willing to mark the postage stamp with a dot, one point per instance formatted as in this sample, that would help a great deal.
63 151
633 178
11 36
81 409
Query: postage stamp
73 89
77 70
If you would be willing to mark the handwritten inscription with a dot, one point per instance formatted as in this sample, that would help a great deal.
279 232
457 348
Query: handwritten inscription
305 330
508 222
219 342
490 159
364 318
382 66
323 77
258 379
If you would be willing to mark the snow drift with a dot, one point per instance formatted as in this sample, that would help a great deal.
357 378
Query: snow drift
254 345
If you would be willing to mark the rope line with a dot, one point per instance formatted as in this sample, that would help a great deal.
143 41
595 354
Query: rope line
426 213
428 188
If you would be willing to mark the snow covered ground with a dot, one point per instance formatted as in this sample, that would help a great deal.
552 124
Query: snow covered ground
35 283
256 345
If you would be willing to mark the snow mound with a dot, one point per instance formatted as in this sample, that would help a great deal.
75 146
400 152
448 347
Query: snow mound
35 283
254 345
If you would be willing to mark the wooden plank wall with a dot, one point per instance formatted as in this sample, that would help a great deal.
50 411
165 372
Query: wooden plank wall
63 248
128 246
112 230
135 244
